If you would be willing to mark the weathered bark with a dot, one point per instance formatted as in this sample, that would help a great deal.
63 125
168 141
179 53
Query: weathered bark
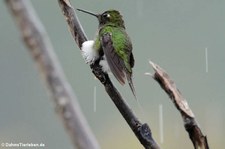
198 139
41 50
142 131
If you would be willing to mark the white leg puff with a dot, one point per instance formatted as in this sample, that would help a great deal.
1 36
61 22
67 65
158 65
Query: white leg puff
88 52
104 64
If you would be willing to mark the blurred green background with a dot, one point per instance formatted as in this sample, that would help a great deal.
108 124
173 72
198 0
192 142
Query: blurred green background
172 33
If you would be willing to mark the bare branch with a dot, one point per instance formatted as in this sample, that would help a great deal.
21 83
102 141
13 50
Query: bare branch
198 139
74 25
142 131
40 47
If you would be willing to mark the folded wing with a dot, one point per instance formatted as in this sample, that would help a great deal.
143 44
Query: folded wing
115 63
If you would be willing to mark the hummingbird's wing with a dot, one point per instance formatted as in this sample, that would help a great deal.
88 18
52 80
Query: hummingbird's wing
115 63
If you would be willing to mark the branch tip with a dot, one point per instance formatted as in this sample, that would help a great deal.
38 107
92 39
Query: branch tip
181 104
67 2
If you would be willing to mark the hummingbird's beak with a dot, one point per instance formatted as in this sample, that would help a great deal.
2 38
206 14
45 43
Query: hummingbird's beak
96 15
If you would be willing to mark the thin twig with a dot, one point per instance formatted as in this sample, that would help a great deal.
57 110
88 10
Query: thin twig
40 47
142 131
198 139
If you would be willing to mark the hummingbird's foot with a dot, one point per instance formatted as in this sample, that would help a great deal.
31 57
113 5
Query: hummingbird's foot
88 52
101 75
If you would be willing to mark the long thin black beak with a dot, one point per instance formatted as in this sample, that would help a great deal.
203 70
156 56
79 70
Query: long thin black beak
88 12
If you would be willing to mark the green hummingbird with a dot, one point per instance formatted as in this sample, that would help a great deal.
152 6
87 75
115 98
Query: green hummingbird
112 44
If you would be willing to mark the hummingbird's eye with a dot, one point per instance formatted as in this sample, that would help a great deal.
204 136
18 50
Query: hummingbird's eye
106 15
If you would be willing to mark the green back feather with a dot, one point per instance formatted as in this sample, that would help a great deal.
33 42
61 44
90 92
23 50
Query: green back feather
121 42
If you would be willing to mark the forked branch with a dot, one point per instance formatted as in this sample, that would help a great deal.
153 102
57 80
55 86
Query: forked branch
198 139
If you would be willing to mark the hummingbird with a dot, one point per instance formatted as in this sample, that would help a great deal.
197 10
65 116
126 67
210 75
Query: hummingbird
112 47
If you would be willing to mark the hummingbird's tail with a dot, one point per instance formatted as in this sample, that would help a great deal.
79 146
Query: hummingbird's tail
130 82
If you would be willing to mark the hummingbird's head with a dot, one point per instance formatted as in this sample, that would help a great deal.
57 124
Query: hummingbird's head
111 17
108 17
